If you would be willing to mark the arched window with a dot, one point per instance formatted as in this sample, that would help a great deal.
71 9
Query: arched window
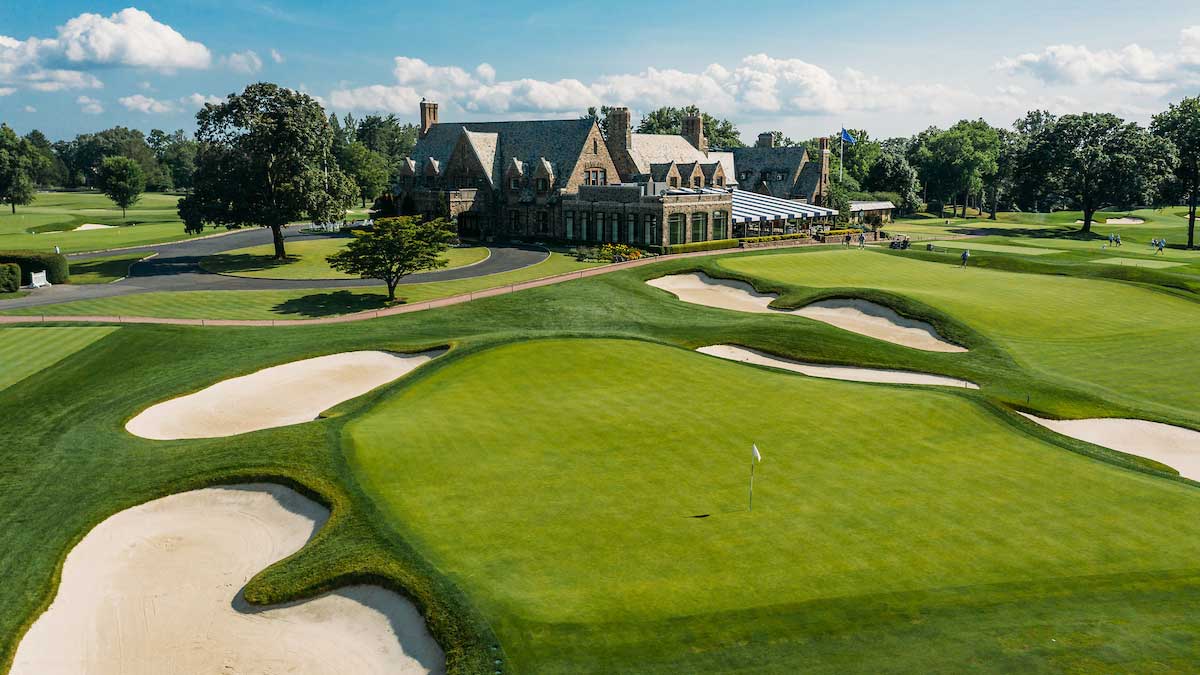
699 226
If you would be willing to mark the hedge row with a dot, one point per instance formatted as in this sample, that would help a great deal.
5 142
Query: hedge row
58 271
774 237
714 245
10 277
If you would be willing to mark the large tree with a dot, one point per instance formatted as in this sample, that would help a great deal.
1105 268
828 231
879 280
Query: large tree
857 158
669 120
368 169
19 162
1001 180
265 158
1180 125
1100 160
395 248
961 156
121 180
892 173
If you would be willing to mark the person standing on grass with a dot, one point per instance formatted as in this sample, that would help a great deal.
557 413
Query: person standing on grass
965 255
862 240
1118 239
1162 244
1111 240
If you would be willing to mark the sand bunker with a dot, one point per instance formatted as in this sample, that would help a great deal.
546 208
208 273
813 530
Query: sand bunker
156 589
274 397
857 316
743 355
1119 221
1176 447
93 226
1138 262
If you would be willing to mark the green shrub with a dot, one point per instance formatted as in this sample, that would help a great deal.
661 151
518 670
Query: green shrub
10 277
608 253
714 245
774 237
55 265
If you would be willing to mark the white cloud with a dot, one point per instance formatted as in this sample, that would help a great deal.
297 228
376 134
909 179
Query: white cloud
758 85
146 104
276 56
1078 64
5 91
198 100
29 109
89 105
129 38
244 62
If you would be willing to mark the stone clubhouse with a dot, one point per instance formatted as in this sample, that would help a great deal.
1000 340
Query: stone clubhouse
562 180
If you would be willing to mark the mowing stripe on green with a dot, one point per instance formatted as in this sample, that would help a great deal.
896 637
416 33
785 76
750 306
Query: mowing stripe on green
995 248
25 351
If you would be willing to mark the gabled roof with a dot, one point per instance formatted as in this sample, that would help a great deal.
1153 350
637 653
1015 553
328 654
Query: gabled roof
558 141
766 164
659 172
710 169
484 144
810 178
647 149
516 165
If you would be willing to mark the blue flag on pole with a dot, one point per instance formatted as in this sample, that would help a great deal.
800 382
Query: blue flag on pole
847 137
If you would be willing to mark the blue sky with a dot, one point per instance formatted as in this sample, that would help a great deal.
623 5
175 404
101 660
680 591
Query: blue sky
803 67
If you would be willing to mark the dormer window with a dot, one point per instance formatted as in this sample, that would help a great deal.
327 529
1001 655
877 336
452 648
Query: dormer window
514 184
543 185
696 181
720 181
674 182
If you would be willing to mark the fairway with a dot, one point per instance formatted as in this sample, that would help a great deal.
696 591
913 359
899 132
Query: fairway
579 540
25 351
306 260
994 248
52 218
1122 343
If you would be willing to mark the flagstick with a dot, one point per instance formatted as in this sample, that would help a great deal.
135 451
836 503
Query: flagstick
751 484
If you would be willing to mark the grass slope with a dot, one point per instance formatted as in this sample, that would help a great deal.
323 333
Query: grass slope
103 270
1123 343
51 219
306 260
565 511
25 351
297 304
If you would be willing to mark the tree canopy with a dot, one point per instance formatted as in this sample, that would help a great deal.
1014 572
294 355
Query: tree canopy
669 120
1180 125
265 158
121 180
395 248
19 164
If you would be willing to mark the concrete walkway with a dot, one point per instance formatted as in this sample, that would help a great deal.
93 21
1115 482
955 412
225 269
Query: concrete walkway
399 309
176 267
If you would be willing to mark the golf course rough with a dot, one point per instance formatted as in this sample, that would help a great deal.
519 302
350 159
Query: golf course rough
848 373
916 513
25 351
290 393
855 315
157 589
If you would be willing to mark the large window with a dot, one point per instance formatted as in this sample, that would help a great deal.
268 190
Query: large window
720 225
543 222
699 226
600 226
543 185
653 236
585 218
514 221
569 223
595 177
678 228
614 227
631 228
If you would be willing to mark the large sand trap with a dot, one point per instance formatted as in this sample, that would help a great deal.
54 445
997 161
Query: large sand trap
156 589
274 397
1118 221
1176 447
743 355
858 316
1138 262
92 226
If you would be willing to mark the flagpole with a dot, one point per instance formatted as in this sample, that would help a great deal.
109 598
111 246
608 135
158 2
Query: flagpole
751 484
842 156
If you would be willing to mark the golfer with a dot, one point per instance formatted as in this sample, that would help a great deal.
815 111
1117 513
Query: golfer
965 254
862 240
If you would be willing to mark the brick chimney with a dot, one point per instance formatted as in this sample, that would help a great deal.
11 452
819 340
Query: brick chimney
693 131
619 132
766 139
429 112
823 181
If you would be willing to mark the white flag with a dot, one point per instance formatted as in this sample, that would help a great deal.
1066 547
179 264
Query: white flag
755 454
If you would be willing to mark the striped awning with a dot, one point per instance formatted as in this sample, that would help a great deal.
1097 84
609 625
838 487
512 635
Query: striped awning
749 207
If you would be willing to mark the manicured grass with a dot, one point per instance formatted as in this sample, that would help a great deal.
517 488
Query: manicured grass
25 351
299 304
573 529
1124 343
994 248
103 270
306 260
1138 262
536 488
51 219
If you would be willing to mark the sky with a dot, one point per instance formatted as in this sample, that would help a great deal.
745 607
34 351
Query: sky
806 68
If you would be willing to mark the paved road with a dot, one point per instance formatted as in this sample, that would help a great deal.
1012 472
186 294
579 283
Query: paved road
177 268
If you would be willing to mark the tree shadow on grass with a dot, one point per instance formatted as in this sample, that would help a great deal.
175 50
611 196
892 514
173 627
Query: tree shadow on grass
237 263
331 304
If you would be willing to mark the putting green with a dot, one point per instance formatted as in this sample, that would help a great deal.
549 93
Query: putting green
25 351
1138 262
994 248
933 533
306 260
1124 343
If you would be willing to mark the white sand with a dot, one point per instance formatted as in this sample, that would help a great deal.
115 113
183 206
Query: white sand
1118 221
743 355
857 316
156 590
1176 447
274 397
92 226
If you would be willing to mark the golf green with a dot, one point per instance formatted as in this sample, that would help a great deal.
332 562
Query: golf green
25 351
590 497
994 248
306 260
1122 343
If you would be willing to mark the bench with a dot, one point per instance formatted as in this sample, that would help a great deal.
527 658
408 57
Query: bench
38 280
